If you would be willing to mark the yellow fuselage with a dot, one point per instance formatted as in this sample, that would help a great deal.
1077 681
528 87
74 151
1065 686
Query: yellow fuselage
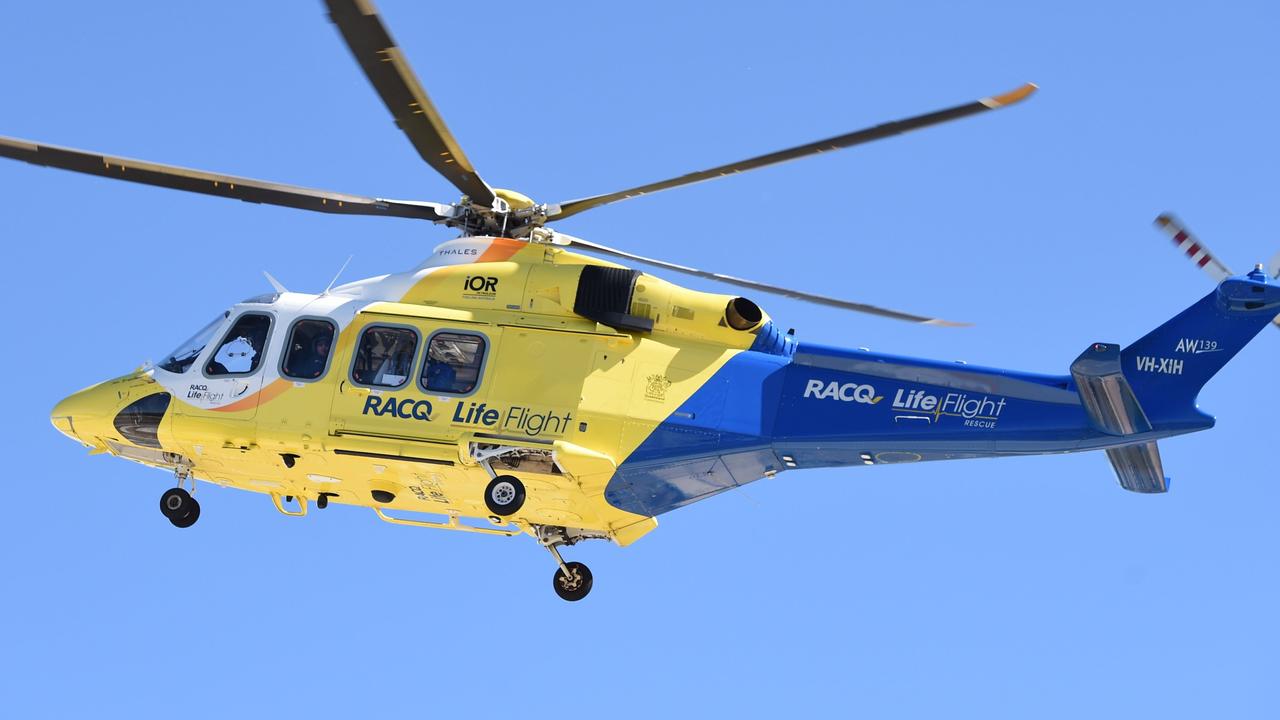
568 397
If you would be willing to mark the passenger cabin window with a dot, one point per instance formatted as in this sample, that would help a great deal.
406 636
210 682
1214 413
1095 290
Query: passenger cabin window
306 354
453 363
241 350
384 357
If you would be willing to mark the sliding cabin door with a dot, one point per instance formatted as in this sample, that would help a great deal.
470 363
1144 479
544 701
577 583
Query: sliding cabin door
411 379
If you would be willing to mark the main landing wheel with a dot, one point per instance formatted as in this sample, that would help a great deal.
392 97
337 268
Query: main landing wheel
574 586
504 495
181 509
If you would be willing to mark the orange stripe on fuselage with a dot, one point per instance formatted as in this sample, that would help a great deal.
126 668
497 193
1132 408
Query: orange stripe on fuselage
429 285
501 250
277 386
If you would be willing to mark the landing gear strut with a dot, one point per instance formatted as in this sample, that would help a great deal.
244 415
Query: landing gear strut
572 580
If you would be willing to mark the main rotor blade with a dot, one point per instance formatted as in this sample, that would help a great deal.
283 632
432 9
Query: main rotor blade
562 239
889 129
388 69
239 188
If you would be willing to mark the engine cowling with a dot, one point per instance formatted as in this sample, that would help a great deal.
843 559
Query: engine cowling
636 301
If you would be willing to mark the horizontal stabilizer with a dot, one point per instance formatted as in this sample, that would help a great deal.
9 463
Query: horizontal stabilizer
1138 468
1105 393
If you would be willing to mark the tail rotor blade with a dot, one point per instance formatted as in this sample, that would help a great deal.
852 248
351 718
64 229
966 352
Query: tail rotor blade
1192 247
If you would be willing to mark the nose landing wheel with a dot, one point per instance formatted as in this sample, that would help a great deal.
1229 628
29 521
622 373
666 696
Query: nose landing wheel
179 507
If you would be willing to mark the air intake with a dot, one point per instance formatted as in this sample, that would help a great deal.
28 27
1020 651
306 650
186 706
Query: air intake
604 295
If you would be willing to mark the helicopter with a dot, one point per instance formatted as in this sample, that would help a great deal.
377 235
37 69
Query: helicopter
514 383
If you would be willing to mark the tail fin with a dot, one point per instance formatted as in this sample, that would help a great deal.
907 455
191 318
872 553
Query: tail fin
1169 365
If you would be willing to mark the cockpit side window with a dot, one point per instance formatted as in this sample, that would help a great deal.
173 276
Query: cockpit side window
185 356
384 356
454 362
242 347
306 353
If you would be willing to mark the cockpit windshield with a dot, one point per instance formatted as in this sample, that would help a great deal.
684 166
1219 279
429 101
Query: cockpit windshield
185 356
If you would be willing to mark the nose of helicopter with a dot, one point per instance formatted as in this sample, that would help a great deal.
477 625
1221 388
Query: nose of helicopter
81 415
128 409
97 411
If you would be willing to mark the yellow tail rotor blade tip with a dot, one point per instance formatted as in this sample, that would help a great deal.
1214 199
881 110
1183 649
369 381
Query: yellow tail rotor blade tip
1011 97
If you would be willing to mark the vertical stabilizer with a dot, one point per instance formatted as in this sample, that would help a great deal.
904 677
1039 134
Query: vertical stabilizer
1169 365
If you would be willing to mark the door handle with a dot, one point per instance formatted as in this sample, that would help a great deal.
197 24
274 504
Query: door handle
347 389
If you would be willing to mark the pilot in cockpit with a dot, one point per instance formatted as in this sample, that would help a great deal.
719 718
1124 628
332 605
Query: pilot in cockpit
235 356
242 350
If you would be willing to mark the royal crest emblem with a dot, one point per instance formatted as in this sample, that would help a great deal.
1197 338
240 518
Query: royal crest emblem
656 387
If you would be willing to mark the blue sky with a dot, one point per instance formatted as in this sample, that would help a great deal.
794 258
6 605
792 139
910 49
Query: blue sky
1006 588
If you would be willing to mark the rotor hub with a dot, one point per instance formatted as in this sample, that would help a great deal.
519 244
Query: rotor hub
513 199
512 214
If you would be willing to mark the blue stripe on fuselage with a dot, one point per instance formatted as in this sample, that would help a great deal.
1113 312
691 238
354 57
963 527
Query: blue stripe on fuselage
718 439
827 406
